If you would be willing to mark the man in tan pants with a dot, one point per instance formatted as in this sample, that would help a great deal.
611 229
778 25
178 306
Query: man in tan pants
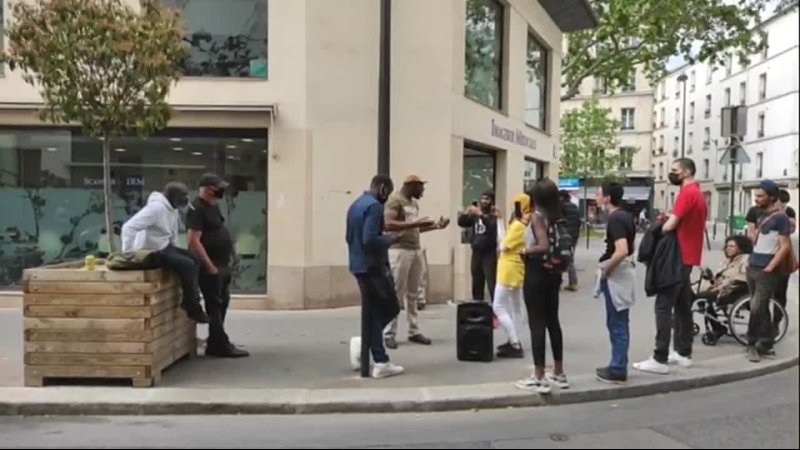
401 214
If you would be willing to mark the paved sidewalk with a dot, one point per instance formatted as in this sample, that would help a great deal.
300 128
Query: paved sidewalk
299 363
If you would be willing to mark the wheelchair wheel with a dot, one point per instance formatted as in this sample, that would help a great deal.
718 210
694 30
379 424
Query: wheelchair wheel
739 319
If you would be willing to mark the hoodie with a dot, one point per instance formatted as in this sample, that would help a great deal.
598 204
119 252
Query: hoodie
152 228
510 266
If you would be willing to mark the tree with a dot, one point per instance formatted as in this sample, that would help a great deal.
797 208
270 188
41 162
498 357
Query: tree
588 140
648 32
101 64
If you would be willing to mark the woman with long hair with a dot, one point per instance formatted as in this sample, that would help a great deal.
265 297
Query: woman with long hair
541 291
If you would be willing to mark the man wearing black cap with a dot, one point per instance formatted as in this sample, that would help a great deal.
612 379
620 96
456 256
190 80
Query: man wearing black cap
480 219
211 241
771 246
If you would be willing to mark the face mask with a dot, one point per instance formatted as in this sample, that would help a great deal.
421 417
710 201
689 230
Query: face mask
219 193
675 179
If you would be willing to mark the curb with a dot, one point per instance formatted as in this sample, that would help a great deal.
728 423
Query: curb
367 400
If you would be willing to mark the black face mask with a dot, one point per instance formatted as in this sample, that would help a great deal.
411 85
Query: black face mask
219 193
675 179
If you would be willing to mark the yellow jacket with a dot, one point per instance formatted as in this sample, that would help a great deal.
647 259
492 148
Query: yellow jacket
510 267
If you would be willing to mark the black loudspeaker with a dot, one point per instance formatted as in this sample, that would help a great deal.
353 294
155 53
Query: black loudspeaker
474 332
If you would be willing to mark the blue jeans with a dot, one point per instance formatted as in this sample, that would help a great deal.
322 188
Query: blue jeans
618 333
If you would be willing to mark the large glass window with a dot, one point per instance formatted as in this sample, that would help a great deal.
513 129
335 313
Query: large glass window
484 52
534 171
225 38
479 174
536 88
52 179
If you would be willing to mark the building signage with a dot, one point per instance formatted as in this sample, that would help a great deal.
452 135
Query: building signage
569 183
129 182
514 136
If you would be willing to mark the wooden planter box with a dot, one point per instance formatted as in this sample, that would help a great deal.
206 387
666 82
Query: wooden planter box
103 324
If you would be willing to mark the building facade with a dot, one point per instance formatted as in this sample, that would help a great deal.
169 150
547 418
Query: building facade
280 97
632 106
768 86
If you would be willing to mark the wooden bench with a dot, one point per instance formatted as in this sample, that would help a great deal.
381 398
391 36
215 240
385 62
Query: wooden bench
103 324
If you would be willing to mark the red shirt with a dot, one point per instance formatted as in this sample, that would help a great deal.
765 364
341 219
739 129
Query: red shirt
692 211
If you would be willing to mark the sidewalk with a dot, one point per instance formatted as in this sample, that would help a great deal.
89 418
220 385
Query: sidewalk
299 364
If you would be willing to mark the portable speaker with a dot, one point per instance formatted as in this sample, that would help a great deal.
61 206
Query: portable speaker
474 332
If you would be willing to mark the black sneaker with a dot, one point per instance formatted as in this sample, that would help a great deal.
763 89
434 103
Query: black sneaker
195 312
605 375
505 346
511 353
419 339
226 351
390 343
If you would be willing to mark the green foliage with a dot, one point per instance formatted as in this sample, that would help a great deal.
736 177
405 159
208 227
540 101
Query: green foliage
588 141
648 32
99 63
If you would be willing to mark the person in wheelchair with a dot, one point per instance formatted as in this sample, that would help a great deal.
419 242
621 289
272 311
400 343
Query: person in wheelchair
729 284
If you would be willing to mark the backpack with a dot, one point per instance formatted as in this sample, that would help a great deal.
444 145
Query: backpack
560 248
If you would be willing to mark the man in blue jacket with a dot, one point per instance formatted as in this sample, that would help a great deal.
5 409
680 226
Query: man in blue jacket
368 250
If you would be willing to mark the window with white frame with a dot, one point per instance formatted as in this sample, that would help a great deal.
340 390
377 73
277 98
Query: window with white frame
663 116
627 122
742 93
706 168
692 80
677 117
707 111
626 157
707 136
762 86
690 142
727 96
761 123
710 75
759 165
728 65
691 112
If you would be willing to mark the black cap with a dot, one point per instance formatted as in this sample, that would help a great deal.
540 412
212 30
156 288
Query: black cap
212 180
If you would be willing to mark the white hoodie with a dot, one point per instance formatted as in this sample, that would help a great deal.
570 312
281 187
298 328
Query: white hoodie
152 228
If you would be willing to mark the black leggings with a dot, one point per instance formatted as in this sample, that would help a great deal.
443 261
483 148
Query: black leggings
541 299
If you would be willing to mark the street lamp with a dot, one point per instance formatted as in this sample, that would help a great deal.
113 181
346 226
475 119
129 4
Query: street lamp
682 79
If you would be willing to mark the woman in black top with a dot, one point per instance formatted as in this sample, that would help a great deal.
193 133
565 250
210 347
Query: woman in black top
541 290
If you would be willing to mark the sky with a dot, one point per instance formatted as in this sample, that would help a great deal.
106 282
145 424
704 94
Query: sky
678 61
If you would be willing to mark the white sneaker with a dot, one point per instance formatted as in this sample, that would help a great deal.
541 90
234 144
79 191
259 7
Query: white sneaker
652 366
681 361
385 370
533 384
559 380
355 353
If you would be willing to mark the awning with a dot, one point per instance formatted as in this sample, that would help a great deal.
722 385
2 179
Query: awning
570 15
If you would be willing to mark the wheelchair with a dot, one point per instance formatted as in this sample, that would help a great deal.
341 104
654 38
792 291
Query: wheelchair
729 315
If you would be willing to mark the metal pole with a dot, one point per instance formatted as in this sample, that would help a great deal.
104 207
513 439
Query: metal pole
384 155
384 82
586 205
734 150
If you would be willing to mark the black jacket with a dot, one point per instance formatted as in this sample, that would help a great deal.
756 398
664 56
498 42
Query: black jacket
482 233
662 254
572 215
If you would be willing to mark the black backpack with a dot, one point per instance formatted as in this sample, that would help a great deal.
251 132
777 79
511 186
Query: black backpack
560 248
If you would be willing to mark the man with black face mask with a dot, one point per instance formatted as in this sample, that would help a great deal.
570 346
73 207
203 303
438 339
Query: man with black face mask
155 228
688 222
211 241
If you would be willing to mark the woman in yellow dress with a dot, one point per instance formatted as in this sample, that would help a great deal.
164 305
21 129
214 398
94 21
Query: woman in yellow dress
508 300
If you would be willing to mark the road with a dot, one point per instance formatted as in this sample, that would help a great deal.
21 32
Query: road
759 413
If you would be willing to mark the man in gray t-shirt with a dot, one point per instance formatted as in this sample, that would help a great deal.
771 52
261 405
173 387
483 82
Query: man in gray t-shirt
771 246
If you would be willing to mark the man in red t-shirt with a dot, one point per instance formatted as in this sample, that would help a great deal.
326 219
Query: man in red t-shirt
688 220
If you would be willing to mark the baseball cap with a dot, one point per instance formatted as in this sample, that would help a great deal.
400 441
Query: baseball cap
212 180
413 179
769 186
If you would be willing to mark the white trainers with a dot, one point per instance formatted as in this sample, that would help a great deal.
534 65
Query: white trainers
559 380
533 384
355 353
386 370
652 366
681 361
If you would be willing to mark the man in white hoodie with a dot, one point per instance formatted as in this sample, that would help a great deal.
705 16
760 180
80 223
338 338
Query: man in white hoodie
155 228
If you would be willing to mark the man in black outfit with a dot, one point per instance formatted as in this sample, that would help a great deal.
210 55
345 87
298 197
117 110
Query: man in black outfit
482 224
211 241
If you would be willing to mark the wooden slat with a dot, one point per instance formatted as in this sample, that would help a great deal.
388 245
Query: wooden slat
176 333
34 335
84 299
100 275
85 324
168 292
88 359
86 347
85 371
98 312
74 287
